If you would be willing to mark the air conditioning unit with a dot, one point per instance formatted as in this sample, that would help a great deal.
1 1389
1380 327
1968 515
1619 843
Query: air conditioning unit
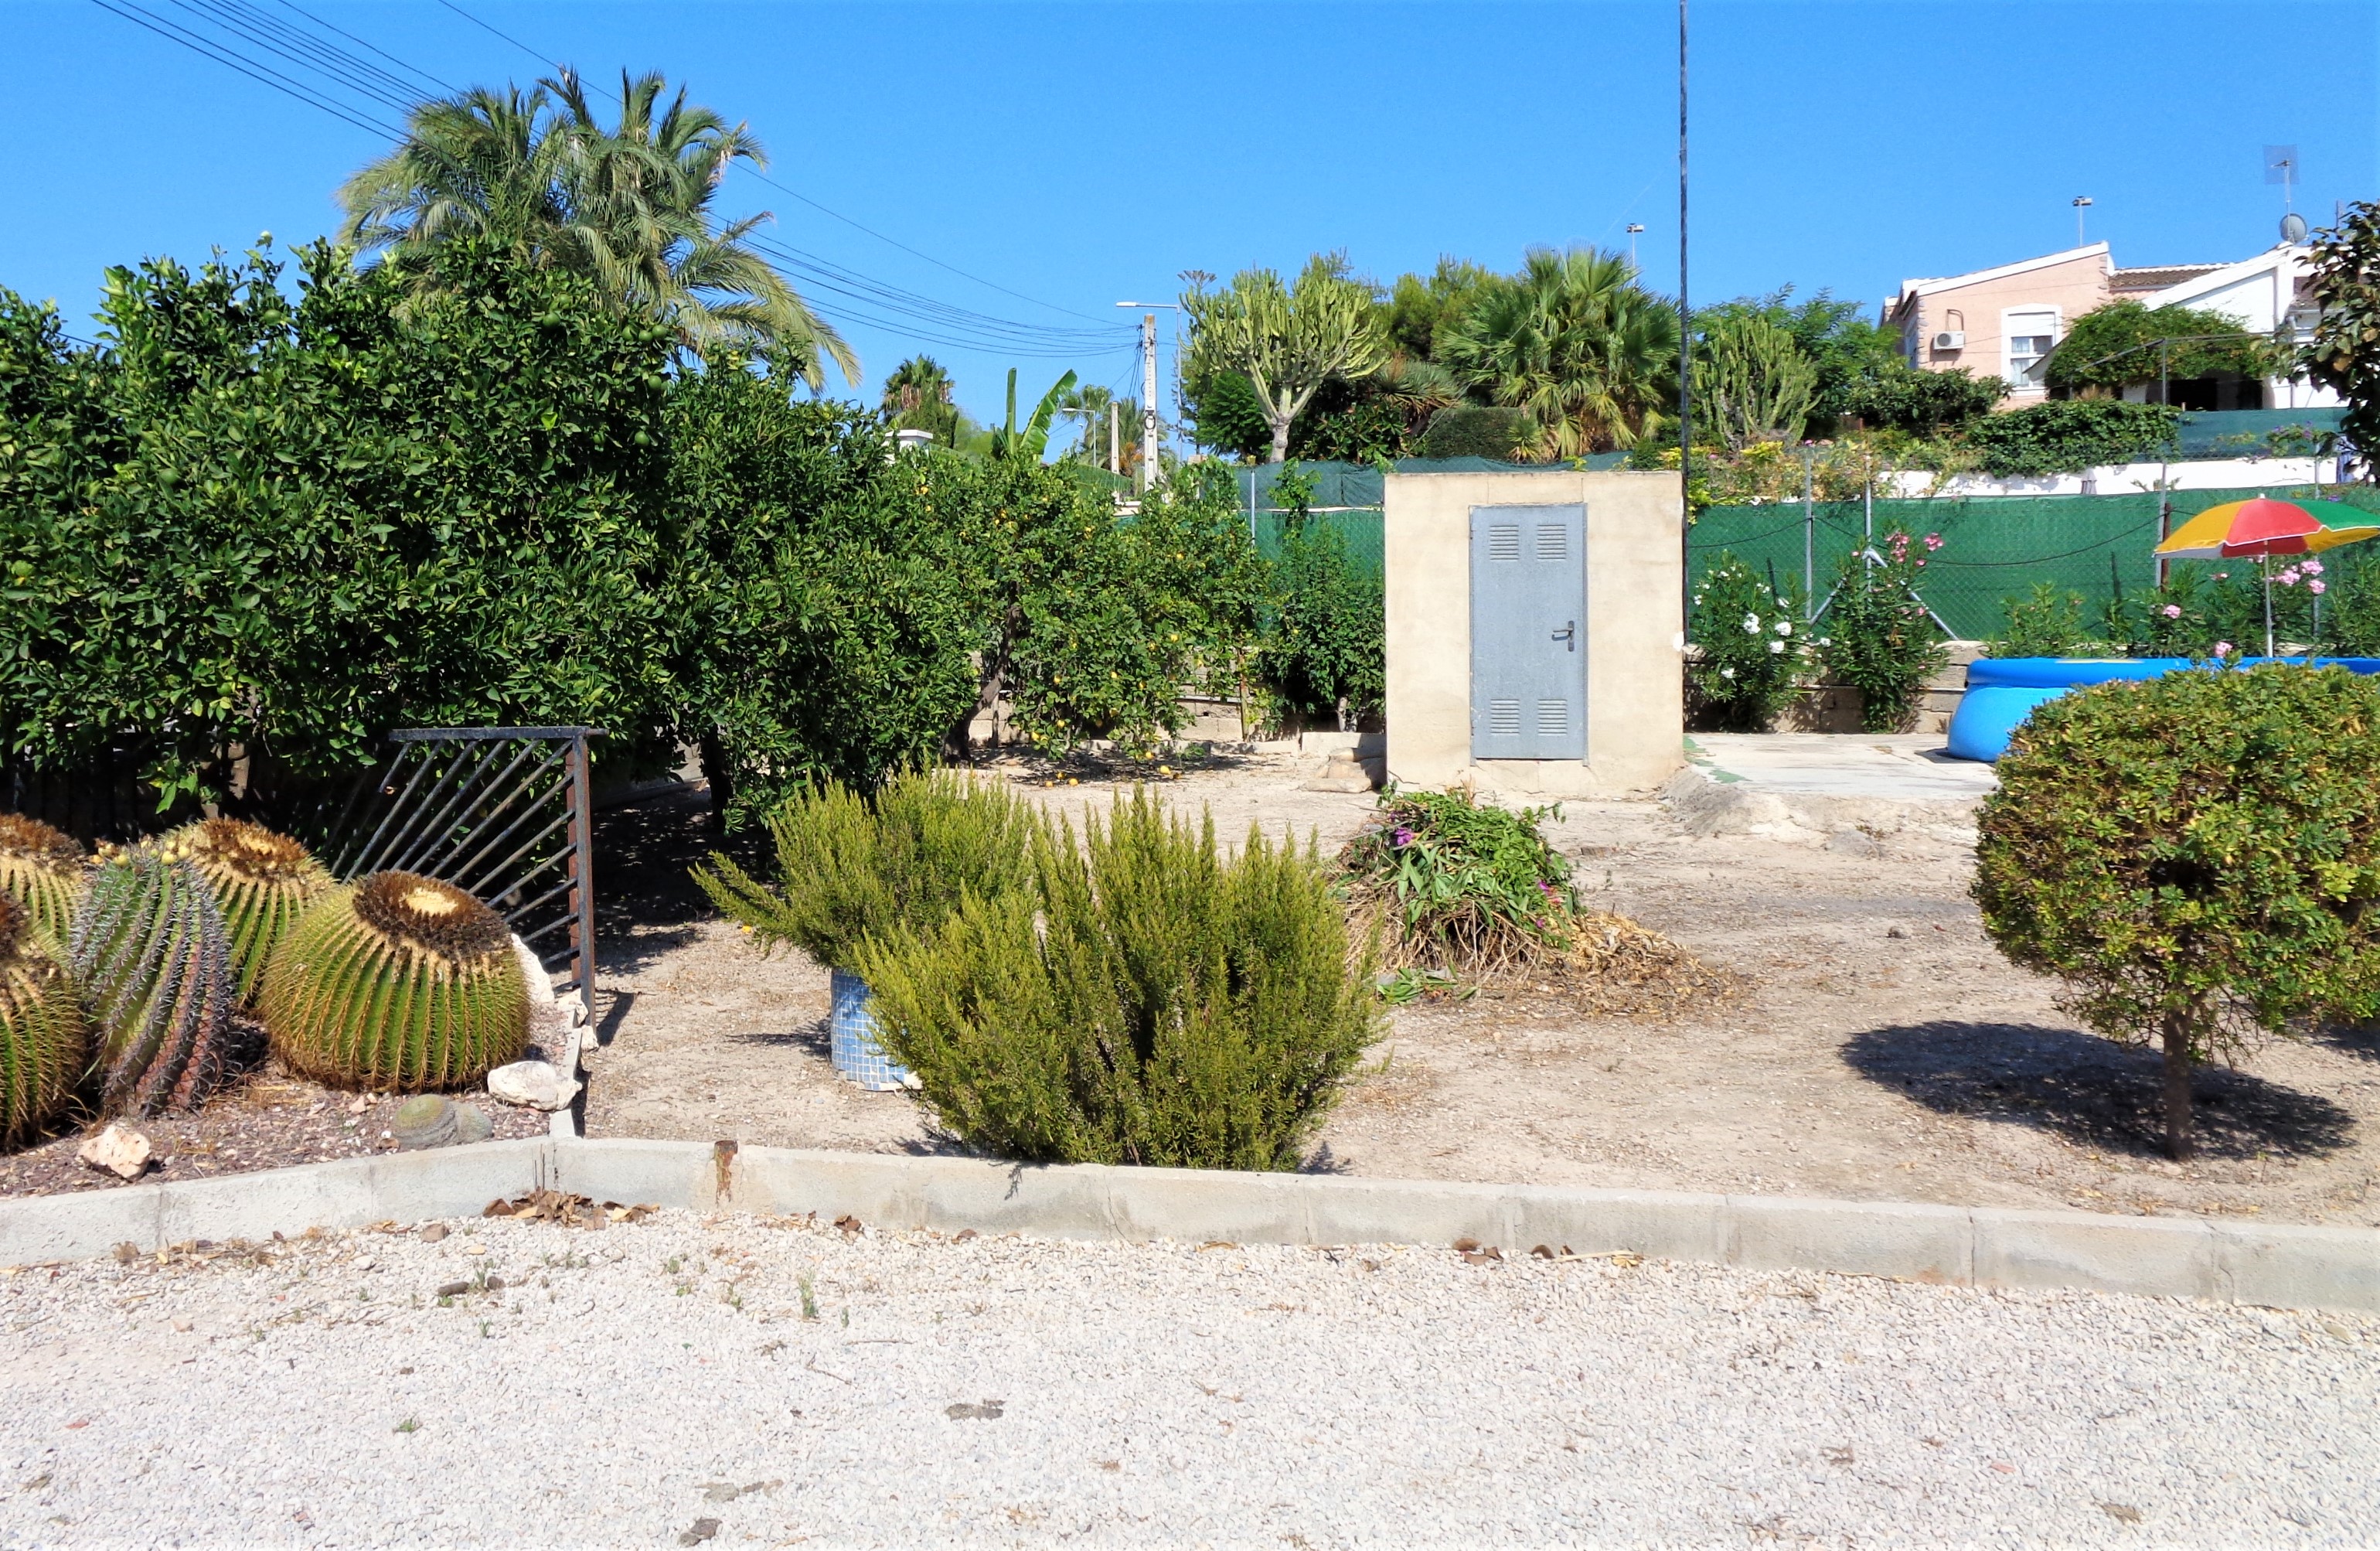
1950 340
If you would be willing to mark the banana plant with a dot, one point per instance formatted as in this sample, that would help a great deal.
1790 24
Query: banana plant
1029 444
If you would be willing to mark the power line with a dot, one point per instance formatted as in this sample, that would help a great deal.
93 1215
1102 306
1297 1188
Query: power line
361 42
255 70
342 68
505 36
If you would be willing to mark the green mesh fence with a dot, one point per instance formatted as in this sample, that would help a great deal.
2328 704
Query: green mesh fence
1994 549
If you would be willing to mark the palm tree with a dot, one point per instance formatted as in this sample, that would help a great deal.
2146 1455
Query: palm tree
1091 408
1575 341
918 397
629 206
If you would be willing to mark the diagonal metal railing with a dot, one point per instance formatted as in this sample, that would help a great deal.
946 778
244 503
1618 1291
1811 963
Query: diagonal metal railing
505 815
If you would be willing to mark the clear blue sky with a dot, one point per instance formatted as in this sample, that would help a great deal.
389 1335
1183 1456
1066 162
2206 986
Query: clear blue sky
1081 154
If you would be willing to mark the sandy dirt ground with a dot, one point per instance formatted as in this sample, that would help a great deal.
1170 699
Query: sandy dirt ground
1879 1047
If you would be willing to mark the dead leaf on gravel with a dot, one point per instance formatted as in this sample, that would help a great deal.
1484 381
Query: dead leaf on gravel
990 1410
2123 1513
848 1223
721 1492
701 1530
1841 1455
433 1233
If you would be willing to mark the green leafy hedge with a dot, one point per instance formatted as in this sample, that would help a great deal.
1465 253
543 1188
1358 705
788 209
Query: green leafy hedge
2068 435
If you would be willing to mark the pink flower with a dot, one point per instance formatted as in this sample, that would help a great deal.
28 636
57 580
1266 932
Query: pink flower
2171 611
2318 588
2222 648
2311 567
1933 541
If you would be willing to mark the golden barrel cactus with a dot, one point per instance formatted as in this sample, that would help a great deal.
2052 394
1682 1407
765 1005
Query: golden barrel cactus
43 870
398 982
262 881
43 1041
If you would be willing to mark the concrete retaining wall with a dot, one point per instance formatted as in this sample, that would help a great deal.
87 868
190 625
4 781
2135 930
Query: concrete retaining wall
2275 1264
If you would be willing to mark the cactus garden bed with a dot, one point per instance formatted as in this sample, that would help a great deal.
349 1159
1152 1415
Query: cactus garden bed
265 1117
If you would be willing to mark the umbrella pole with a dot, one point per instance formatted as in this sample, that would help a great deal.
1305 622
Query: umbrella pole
2265 564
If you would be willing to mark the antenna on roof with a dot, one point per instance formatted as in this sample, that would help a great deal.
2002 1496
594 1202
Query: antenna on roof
2281 167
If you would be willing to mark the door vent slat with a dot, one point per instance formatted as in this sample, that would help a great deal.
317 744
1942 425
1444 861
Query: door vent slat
1504 718
1553 542
1504 542
1553 718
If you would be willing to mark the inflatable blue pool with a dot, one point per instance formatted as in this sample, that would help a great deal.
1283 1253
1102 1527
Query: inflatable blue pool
2002 692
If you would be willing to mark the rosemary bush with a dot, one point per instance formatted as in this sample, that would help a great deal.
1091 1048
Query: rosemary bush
1147 999
850 868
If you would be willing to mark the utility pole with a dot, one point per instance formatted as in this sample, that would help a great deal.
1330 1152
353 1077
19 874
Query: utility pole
1685 364
1115 452
1147 399
2082 204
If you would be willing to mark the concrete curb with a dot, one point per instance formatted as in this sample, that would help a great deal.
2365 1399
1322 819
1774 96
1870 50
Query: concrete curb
2225 1261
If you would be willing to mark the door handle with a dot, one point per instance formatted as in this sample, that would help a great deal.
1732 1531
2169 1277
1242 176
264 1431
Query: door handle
1568 633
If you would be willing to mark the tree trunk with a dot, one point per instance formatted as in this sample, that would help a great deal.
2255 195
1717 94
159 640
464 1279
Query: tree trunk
2180 1132
1280 441
718 775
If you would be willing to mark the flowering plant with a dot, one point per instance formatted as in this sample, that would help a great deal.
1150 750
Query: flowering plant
1750 643
1881 639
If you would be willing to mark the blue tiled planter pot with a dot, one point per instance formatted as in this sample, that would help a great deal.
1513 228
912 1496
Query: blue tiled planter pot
851 1038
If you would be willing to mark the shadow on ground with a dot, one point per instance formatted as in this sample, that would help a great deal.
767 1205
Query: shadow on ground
2090 1091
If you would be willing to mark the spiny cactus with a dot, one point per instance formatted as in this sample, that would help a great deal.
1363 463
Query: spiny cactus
262 882
155 965
42 869
43 1039
398 982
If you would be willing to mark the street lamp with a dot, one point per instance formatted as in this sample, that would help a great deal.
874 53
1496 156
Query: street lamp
2082 204
1634 227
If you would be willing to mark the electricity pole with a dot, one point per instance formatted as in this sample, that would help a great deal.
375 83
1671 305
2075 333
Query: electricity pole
1115 454
1685 361
1147 399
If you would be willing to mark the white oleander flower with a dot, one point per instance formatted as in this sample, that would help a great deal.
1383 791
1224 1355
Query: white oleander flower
1751 624
1727 673
1784 627
1776 648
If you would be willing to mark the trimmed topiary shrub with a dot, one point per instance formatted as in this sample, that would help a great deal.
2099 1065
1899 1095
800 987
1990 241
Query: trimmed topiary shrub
399 981
42 869
1149 1000
849 868
44 1043
263 881
154 961
2198 856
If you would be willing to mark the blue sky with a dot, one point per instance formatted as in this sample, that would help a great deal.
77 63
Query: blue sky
1081 154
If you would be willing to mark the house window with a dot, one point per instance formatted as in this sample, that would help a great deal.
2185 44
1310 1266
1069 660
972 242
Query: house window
2030 332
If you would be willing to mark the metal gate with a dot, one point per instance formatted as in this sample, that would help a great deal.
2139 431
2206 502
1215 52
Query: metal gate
1528 632
502 814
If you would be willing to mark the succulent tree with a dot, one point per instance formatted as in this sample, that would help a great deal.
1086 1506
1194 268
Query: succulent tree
42 869
263 881
42 1037
155 960
397 982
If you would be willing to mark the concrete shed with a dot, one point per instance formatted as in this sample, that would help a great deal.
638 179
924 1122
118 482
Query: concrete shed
1534 630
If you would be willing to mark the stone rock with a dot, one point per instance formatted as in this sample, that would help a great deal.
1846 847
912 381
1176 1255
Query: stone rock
119 1150
422 1121
1853 842
533 1085
1342 774
471 1124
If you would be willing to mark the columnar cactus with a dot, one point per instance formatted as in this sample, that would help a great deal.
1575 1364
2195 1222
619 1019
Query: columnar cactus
263 881
42 1038
155 965
43 870
399 981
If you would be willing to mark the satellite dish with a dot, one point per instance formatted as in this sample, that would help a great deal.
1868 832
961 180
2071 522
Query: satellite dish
2293 228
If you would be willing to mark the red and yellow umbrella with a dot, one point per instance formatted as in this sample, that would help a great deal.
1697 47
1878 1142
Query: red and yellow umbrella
2262 527
2259 527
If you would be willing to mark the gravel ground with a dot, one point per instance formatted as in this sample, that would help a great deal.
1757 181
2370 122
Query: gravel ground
661 1380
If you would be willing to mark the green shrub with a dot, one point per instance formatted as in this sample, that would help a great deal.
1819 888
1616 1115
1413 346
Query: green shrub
1149 1001
2198 856
1879 638
1752 645
1490 430
1461 884
2049 624
850 867
2068 435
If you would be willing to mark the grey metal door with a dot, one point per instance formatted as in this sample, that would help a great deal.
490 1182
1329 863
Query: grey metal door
1528 632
